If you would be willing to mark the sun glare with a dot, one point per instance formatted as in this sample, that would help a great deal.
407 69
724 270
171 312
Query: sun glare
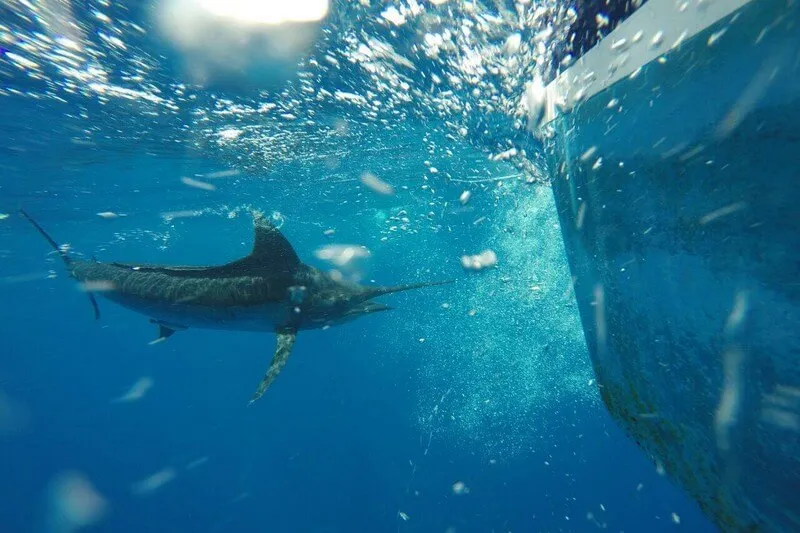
267 11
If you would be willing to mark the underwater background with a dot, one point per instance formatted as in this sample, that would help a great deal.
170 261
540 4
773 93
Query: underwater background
470 407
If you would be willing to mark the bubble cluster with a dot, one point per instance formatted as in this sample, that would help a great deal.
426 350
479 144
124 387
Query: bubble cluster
514 351
463 67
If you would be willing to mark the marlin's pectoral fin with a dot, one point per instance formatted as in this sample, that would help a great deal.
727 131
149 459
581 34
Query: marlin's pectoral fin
286 339
164 331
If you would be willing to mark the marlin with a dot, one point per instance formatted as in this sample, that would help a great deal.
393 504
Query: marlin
268 290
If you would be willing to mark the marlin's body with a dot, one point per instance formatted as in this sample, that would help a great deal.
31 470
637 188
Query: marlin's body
268 290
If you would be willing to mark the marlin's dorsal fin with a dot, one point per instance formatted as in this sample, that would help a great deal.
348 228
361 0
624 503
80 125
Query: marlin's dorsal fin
271 247
283 349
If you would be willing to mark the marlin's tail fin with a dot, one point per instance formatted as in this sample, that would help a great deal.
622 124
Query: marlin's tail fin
62 253
380 291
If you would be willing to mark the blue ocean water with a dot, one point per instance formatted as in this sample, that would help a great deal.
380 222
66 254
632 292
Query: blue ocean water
470 407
